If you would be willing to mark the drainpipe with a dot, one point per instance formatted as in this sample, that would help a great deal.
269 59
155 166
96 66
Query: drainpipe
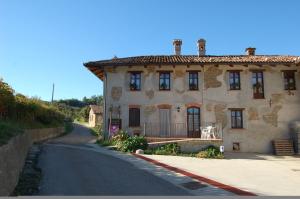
203 87
105 106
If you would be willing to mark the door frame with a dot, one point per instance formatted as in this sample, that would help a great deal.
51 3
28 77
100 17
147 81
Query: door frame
193 134
168 125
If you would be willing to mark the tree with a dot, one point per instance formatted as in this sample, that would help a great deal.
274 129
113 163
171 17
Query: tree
83 114
93 100
72 102
7 100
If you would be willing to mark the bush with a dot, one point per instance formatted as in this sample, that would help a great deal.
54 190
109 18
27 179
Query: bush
105 142
7 100
133 143
168 149
120 136
210 152
97 131
7 131
36 113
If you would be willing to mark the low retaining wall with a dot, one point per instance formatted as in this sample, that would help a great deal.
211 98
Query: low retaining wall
189 145
13 155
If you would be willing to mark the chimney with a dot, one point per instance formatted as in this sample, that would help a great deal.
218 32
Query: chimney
250 51
177 46
201 47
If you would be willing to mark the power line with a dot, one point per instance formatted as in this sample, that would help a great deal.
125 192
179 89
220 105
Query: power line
52 93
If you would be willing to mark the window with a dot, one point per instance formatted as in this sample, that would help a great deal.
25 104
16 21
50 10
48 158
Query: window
135 81
134 117
236 146
164 81
193 81
234 80
258 84
289 80
237 118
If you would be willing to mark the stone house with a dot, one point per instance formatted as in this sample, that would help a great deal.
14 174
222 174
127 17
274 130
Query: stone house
249 99
95 115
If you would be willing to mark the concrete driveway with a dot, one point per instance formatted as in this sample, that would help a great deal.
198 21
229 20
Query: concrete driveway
260 174
71 165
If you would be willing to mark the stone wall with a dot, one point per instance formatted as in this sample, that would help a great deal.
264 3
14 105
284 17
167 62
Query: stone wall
197 145
190 145
13 155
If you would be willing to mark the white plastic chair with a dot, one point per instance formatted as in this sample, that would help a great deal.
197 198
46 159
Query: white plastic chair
204 133
208 132
212 130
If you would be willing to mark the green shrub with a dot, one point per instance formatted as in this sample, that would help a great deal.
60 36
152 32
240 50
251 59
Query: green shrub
168 149
7 100
133 143
97 131
120 136
8 130
103 142
210 152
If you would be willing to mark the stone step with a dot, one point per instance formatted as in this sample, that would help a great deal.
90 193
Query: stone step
283 147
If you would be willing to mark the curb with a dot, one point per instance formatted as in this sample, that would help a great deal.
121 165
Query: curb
225 187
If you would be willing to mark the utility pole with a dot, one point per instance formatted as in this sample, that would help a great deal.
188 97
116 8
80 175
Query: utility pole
52 93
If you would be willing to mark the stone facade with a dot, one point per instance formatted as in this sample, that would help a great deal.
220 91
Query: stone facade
263 119
95 115
13 155
295 134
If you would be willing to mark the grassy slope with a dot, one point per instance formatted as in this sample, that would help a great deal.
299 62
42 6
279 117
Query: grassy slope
8 130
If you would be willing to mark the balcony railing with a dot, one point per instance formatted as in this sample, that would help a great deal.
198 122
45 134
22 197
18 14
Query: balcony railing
180 130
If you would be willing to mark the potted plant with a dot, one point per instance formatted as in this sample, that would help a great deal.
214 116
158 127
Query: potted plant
193 86
257 86
133 86
290 86
163 86
235 85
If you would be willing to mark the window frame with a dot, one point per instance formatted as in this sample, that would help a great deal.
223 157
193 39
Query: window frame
134 120
135 76
236 75
289 74
193 78
234 118
164 79
257 95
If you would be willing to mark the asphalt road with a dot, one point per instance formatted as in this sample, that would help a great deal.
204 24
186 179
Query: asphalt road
75 171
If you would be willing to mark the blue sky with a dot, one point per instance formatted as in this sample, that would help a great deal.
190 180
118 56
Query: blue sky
45 42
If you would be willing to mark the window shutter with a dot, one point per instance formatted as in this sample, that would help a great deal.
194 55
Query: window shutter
156 81
134 117
186 81
127 81
142 81
138 117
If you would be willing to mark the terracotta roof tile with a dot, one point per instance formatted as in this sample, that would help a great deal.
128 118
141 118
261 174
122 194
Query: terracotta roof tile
194 59
96 109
